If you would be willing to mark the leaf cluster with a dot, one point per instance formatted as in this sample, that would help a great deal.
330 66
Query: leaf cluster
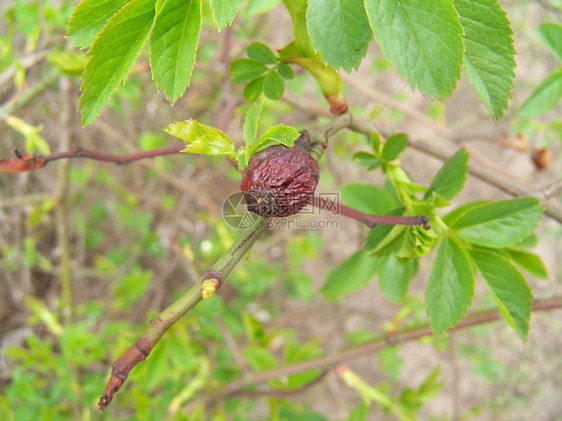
486 237
208 140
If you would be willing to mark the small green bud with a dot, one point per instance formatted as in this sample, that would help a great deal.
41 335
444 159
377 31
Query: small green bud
209 287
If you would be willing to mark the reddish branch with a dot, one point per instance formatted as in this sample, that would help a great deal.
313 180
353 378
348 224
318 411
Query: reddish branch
367 219
26 162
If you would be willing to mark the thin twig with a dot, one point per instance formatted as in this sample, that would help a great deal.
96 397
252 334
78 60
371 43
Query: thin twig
61 211
414 114
280 393
29 94
77 152
368 219
23 63
511 185
386 341
25 162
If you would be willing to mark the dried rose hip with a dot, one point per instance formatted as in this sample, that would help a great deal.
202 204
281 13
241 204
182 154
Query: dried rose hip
280 181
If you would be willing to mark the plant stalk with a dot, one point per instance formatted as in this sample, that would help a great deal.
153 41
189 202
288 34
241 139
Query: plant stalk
142 347
237 387
368 219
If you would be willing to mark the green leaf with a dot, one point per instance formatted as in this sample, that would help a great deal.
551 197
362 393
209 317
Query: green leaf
286 135
529 262
258 7
89 18
112 55
202 139
394 146
455 214
339 30
350 275
450 287
394 277
68 61
261 52
286 71
274 86
551 34
423 39
224 11
546 96
173 45
509 288
253 89
250 128
367 198
366 159
246 69
499 224
489 52
382 238
450 179
259 358
376 143
527 242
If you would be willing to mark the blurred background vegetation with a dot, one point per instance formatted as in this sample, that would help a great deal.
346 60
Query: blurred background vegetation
90 252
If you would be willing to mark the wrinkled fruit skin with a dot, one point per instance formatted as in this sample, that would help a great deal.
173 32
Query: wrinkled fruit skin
280 181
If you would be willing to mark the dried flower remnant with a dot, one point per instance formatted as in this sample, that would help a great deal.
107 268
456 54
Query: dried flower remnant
280 181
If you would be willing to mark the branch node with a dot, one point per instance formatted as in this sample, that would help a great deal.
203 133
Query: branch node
209 287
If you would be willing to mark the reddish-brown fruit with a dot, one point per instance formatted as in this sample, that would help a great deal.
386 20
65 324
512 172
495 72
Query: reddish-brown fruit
280 181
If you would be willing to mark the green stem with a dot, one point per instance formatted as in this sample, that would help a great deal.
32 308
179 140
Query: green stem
161 323
29 94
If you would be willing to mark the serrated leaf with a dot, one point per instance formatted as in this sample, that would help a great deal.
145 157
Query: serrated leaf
394 277
261 52
367 198
253 89
394 146
489 52
246 69
174 44
350 275
112 54
423 39
450 287
339 31
201 138
529 262
250 128
274 86
527 242
224 11
455 214
551 34
450 178
286 135
545 96
509 288
499 224
89 18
